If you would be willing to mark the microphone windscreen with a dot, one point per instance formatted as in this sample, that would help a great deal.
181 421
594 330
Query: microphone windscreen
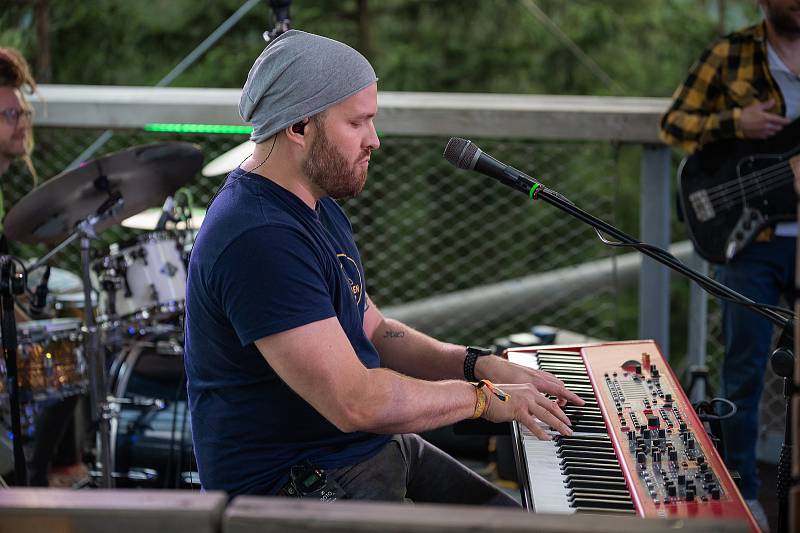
461 153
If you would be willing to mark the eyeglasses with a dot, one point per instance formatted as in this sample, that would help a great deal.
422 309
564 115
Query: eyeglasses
12 115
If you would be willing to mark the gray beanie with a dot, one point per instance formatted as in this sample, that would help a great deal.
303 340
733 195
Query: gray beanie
297 76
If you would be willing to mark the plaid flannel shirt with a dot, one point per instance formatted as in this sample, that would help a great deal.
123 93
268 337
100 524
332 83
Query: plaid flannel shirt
731 74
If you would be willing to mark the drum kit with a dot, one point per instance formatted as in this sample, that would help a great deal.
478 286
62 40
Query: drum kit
114 332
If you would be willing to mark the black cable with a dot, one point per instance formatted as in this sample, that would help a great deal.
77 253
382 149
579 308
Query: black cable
225 181
706 410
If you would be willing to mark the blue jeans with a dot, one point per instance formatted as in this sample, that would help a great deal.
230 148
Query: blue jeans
763 272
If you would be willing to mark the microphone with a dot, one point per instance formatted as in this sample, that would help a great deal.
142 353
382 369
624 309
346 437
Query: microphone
39 300
465 154
280 10
166 214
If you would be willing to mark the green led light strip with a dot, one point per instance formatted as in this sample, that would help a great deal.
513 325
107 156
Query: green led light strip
199 128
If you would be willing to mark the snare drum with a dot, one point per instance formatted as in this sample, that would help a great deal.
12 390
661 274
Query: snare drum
50 359
146 278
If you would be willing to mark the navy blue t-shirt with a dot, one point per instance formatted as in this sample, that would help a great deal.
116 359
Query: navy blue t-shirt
264 262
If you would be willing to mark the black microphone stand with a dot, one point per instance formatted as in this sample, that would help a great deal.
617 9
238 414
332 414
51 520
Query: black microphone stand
464 154
12 283
782 362
782 358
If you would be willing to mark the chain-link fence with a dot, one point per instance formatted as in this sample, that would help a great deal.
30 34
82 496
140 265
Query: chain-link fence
425 228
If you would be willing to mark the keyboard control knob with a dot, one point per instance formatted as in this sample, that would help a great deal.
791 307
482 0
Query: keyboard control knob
715 493
681 479
708 477
700 460
641 458
672 491
703 467
690 444
689 495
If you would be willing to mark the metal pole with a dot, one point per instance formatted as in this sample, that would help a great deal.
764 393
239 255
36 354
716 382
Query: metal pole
698 328
98 395
654 219
179 69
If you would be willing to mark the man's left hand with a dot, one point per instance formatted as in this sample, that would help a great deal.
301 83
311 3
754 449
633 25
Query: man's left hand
499 370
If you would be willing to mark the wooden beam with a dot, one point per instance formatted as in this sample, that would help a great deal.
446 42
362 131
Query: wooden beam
247 514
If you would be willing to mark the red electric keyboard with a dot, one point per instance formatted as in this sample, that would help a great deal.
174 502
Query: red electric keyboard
638 446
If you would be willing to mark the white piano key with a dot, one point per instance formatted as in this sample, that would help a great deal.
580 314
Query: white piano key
546 481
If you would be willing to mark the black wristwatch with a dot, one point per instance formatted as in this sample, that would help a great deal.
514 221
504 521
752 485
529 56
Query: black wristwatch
473 352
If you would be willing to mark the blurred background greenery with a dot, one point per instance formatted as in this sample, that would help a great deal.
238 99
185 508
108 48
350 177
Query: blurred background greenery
579 47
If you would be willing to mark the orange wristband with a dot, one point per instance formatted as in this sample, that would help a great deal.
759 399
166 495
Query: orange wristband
497 391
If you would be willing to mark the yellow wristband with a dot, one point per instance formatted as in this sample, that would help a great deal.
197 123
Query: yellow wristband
480 403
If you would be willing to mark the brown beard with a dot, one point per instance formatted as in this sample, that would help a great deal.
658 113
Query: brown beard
782 21
328 169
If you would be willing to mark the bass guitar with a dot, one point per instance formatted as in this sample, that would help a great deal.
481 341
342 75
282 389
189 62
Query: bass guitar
730 190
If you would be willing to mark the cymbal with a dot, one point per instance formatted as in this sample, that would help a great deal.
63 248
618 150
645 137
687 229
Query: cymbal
148 219
229 160
144 176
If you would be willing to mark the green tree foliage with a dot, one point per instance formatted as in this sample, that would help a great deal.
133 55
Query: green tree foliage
501 46
416 45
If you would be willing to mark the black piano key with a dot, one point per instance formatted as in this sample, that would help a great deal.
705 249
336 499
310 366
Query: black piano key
604 510
588 446
591 484
581 440
592 470
605 503
611 494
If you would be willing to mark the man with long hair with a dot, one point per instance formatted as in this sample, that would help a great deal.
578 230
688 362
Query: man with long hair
16 132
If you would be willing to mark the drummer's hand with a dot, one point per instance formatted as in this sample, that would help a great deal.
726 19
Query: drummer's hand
499 370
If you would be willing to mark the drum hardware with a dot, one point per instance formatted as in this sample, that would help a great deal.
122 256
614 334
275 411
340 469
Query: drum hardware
77 205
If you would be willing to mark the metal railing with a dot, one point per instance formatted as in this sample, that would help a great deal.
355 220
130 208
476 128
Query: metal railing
430 233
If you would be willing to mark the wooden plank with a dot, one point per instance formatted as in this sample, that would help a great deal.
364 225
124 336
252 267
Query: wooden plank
554 117
248 514
34 510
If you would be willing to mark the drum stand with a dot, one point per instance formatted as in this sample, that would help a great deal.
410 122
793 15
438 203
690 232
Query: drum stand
98 387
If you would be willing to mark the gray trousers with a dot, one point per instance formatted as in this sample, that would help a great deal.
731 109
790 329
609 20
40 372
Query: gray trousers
410 468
